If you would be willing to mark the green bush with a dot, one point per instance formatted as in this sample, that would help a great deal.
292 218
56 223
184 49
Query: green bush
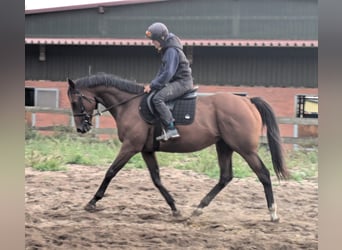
30 134
43 162
55 152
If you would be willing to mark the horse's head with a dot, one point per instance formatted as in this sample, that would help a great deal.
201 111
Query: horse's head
82 105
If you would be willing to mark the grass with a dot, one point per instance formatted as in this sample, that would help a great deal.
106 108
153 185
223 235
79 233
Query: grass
54 153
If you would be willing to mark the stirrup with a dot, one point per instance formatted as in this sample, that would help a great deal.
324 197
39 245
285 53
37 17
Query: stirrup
167 135
163 136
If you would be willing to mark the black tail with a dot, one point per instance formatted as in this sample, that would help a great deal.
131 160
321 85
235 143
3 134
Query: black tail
273 136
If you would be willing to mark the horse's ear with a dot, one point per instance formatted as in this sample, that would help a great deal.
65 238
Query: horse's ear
71 84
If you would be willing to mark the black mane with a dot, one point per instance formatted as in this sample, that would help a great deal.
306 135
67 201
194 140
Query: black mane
102 79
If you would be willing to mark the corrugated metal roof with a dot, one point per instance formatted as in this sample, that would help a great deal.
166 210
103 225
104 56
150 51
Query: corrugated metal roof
185 42
88 6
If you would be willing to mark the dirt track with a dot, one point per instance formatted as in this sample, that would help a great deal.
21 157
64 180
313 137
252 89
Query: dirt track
135 216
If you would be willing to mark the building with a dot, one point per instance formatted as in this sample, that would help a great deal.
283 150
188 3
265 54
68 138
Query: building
258 47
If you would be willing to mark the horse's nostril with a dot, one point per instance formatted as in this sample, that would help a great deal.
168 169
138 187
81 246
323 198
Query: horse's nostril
79 130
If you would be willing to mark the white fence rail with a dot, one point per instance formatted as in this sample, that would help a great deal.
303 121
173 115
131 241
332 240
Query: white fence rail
111 131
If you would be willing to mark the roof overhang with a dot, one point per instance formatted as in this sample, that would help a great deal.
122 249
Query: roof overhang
89 6
185 42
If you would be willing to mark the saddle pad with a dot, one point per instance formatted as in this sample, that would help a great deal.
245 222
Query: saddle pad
183 111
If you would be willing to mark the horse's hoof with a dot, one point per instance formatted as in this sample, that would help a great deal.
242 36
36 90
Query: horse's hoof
176 214
197 212
273 213
275 220
90 208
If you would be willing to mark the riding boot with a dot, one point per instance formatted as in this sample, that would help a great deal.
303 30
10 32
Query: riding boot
171 132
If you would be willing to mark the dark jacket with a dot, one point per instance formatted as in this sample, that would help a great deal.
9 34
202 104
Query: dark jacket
175 66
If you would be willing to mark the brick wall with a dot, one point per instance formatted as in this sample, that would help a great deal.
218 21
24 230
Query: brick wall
281 99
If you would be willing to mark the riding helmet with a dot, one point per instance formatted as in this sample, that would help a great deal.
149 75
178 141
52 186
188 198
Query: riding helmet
157 31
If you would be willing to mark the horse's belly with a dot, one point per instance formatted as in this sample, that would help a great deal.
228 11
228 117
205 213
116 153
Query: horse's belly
189 142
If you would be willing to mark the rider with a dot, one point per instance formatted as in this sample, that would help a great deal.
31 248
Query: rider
173 78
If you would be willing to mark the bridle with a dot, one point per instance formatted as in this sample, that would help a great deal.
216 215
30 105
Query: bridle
98 112
84 113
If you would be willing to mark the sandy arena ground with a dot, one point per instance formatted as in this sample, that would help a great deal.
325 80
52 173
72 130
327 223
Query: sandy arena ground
135 215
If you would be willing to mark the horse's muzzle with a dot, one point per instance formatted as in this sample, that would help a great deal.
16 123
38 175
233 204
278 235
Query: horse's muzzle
81 130
86 126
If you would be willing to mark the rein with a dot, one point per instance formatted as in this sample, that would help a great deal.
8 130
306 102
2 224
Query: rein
118 104
98 112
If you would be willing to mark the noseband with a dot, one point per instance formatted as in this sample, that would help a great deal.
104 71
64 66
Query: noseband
83 110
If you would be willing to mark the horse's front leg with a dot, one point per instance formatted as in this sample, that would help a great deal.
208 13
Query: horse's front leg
151 162
122 158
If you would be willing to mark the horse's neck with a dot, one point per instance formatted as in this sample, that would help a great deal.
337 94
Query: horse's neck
118 102
113 96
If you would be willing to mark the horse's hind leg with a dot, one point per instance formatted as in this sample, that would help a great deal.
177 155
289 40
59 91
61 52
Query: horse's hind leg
263 174
224 154
152 164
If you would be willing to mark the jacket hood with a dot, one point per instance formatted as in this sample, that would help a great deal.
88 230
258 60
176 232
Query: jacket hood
172 41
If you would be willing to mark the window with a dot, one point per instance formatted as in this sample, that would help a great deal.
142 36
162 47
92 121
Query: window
41 97
307 106
29 97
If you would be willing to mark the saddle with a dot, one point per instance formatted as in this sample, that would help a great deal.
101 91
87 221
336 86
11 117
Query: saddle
182 108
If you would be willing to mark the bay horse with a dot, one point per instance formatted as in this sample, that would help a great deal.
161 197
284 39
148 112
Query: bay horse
233 123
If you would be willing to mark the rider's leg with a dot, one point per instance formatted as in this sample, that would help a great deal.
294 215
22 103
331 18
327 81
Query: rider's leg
169 92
